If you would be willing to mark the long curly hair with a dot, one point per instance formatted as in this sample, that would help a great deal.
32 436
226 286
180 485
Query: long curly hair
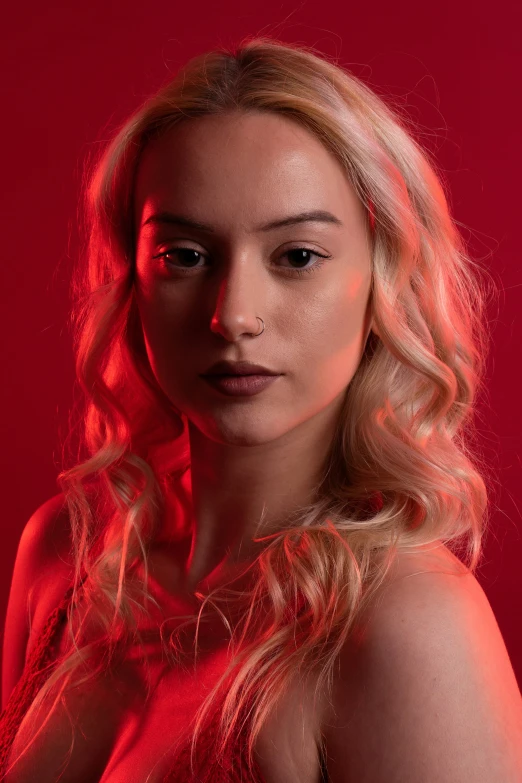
404 469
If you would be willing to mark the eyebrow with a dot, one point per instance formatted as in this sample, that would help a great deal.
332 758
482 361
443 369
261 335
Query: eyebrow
312 216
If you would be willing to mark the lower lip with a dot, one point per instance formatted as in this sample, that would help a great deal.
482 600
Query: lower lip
240 385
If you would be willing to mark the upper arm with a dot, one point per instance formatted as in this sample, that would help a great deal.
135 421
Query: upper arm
430 695
35 561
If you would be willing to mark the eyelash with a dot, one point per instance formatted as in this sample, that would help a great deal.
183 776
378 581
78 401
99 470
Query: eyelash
298 272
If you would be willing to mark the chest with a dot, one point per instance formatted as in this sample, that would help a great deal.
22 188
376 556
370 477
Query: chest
130 725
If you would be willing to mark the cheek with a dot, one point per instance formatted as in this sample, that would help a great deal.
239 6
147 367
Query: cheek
336 333
156 303
162 334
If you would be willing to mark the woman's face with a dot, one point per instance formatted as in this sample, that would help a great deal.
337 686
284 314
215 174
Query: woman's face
235 174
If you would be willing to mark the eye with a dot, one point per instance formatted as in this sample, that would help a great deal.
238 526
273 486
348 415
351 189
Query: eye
190 254
298 252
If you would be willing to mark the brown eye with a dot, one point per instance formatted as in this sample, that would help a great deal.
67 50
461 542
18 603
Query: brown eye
188 255
298 252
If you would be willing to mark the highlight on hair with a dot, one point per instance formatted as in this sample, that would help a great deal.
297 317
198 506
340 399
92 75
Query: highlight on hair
404 470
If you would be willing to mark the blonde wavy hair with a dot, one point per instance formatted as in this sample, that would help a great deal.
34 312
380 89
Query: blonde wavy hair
404 469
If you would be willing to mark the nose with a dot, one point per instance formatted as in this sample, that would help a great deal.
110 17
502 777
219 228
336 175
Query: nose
238 303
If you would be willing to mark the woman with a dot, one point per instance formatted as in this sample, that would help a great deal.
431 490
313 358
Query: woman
245 578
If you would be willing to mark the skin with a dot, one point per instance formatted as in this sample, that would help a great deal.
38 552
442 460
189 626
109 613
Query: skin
261 453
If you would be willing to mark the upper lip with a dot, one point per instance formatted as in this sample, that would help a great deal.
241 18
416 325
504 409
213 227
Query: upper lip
238 368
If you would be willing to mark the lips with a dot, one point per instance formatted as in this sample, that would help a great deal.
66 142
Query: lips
240 385
225 368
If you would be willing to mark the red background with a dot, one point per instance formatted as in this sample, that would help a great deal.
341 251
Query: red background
71 72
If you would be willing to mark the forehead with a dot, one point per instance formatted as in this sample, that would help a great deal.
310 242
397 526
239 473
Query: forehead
245 167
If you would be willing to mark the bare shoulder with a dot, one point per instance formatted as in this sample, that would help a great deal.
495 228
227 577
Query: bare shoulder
48 527
47 540
41 570
428 692
426 574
